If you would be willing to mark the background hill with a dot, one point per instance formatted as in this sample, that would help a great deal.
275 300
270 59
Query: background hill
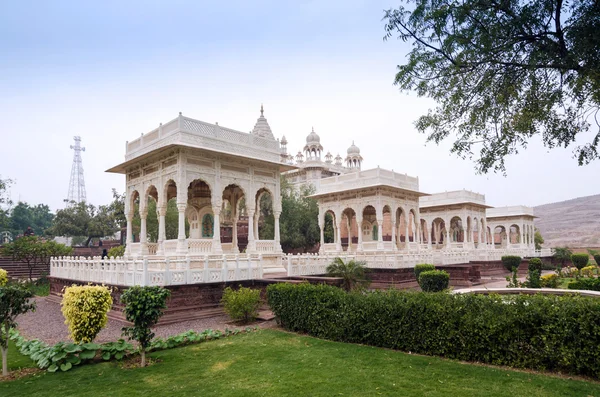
572 223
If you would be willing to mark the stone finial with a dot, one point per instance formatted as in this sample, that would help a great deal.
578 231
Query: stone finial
262 110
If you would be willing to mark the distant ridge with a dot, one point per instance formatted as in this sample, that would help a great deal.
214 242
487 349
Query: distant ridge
573 223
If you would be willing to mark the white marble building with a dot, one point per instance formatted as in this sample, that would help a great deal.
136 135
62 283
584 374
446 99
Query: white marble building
212 172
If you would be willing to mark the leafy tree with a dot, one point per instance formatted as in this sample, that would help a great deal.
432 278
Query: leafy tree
35 252
143 307
562 254
353 273
503 71
84 220
298 222
24 215
4 201
538 240
14 300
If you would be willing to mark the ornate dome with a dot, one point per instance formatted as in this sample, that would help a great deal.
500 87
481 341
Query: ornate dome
284 140
262 128
353 149
313 138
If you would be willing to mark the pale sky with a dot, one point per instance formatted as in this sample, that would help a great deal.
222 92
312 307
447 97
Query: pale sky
112 70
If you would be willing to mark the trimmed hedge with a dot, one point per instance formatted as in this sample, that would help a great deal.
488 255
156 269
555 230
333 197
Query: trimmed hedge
534 264
597 259
580 260
511 261
423 267
434 280
591 284
560 333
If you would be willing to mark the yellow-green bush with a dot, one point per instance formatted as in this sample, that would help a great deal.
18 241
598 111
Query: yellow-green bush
588 271
85 309
3 277
550 280
116 252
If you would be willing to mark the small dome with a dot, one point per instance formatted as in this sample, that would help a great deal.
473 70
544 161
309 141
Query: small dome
313 138
353 149
284 140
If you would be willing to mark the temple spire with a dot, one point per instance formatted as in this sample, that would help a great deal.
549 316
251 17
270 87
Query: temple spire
261 110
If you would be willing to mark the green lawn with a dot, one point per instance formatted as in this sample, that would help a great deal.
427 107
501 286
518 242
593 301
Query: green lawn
275 363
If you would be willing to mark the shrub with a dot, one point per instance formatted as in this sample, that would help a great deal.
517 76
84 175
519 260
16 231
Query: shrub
85 309
143 307
562 254
559 333
569 272
533 279
534 264
3 277
550 281
434 280
588 271
592 284
353 273
14 300
241 304
423 267
597 259
580 260
511 261
116 252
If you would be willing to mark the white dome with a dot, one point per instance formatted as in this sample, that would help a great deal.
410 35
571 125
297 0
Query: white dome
353 149
313 138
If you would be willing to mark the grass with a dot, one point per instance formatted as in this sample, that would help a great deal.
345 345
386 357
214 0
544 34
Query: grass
275 363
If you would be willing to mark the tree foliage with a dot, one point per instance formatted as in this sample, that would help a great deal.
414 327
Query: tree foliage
503 71
84 220
35 252
298 222
538 239
143 307
85 309
14 300
4 201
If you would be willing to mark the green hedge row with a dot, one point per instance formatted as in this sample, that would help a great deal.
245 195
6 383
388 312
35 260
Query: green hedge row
539 332
584 283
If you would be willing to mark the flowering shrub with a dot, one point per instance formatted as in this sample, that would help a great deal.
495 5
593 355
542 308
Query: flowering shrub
85 309
588 271
550 280
569 272
3 277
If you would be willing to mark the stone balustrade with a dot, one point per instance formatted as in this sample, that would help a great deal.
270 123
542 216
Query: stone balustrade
166 271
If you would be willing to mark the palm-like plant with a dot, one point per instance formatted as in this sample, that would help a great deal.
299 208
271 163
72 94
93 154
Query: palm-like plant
353 273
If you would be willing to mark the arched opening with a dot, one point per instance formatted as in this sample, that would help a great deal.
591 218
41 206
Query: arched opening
423 233
438 233
200 199
457 233
152 216
476 236
349 230
515 234
412 226
369 224
500 237
207 226
265 225
469 236
387 223
134 205
400 228
329 229
233 219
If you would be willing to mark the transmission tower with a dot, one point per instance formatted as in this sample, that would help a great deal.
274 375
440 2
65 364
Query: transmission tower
77 183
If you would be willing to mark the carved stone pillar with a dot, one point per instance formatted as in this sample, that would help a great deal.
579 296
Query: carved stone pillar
380 234
394 242
216 246
277 214
338 237
162 235
234 236
129 236
251 243
182 248
143 232
359 222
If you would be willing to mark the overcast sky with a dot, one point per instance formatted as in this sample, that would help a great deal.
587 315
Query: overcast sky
112 70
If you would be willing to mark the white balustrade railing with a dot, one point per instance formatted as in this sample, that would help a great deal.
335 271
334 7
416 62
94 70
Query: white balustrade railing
129 272
265 246
170 246
200 246
152 248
